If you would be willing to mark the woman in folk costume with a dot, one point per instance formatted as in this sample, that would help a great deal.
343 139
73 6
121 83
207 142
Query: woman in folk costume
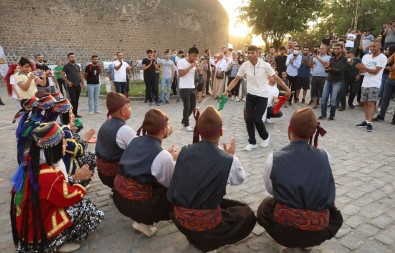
47 213
145 171
302 211
113 137
198 187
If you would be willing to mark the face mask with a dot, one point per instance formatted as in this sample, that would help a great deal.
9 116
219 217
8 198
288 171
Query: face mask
349 59
296 52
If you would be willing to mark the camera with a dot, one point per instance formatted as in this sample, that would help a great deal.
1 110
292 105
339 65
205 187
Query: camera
39 73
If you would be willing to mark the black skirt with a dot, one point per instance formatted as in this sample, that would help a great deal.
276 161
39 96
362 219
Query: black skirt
238 220
292 237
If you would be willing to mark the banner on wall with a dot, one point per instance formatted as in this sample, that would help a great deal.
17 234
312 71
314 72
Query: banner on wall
3 62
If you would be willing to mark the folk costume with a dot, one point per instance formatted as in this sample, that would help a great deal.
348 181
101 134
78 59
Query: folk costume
46 211
198 187
113 138
145 171
302 211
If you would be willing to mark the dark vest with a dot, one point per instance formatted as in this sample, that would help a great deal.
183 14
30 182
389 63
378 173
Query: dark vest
302 177
107 148
136 161
200 176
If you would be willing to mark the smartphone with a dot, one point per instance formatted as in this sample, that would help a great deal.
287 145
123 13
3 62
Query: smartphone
39 73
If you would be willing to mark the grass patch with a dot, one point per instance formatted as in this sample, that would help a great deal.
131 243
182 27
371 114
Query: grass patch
136 88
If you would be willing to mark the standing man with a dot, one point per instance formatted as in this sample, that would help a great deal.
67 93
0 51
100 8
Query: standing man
294 60
318 62
372 66
120 68
208 82
389 35
303 79
92 77
257 72
168 71
150 65
333 82
44 68
186 71
280 60
72 76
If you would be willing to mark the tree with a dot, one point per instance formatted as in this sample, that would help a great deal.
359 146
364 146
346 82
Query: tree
274 19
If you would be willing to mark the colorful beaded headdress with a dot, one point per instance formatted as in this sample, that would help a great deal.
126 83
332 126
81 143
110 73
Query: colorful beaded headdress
48 134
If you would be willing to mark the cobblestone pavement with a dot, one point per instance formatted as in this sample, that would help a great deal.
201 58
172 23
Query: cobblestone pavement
363 165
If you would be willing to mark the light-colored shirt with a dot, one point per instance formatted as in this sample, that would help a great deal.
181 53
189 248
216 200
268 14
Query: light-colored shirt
292 69
273 93
31 91
124 135
319 68
120 74
167 68
350 43
221 65
187 81
366 41
162 168
372 62
13 83
257 77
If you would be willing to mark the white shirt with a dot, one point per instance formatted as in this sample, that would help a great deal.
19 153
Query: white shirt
273 93
163 168
187 81
12 82
257 77
373 81
120 74
237 173
124 135
221 65
350 43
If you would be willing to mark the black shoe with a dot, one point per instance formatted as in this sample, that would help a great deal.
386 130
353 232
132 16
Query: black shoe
369 127
296 100
331 118
78 116
311 102
303 101
378 118
362 124
351 106
342 109
322 117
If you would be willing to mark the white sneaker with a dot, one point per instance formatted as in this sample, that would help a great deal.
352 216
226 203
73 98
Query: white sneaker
243 99
189 129
265 143
146 230
69 247
269 121
98 112
91 113
232 98
237 99
250 147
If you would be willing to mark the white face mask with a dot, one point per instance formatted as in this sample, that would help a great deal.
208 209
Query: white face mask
349 59
296 52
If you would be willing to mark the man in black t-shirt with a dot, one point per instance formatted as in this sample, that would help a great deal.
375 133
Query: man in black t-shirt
150 66
92 77
72 76
43 67
280 61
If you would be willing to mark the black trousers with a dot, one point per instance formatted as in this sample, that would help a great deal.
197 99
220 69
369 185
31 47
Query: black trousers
74 93
255 108
151 89
188 97
352 87
292 85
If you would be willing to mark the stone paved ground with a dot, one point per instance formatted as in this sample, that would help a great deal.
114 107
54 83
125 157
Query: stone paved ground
363 166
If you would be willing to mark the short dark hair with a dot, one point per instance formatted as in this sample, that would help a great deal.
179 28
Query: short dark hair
181 51
317 45
271 47
252 48
167 51
23 61
341 39
193 50
68 55
37 55
350 52
282 48
149 51
306 47
94 56
338 45
206 51
118 53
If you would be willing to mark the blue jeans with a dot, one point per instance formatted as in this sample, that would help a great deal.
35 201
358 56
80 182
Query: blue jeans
333 89
93 97
389 89
165 83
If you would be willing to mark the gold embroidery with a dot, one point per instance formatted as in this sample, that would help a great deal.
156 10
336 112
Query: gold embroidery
57 227
68 195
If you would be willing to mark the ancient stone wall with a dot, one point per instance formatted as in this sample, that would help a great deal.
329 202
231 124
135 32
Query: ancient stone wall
103 27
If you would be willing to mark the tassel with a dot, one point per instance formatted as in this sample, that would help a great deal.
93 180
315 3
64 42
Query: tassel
18 179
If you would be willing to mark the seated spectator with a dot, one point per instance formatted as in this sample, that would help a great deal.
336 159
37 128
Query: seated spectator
302 211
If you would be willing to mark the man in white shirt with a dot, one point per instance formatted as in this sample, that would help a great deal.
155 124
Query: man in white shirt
372 66
257 72
186 71
120 68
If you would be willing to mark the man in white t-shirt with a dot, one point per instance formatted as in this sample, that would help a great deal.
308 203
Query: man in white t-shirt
372 66
120 68
186 71
257 72
272 101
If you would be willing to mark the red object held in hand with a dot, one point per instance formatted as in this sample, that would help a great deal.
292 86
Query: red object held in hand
280 103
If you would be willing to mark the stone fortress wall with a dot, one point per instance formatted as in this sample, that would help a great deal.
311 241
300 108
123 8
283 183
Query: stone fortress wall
103 27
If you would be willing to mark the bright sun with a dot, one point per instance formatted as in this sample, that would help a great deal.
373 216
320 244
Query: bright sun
238 29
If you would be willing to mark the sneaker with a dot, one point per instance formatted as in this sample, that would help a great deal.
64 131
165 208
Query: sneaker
269 121
157 103
189 128
322 117
351 106
265 143
250 147
150 103
378 118
362 124
369 127
303 101
331 118
243 99
237 99
315 106
146 230
311 102
91 113
166 101
69 247
232 98
98 112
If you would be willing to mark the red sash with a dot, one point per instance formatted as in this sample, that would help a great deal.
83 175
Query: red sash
109 169
302 219
132 190
198 220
